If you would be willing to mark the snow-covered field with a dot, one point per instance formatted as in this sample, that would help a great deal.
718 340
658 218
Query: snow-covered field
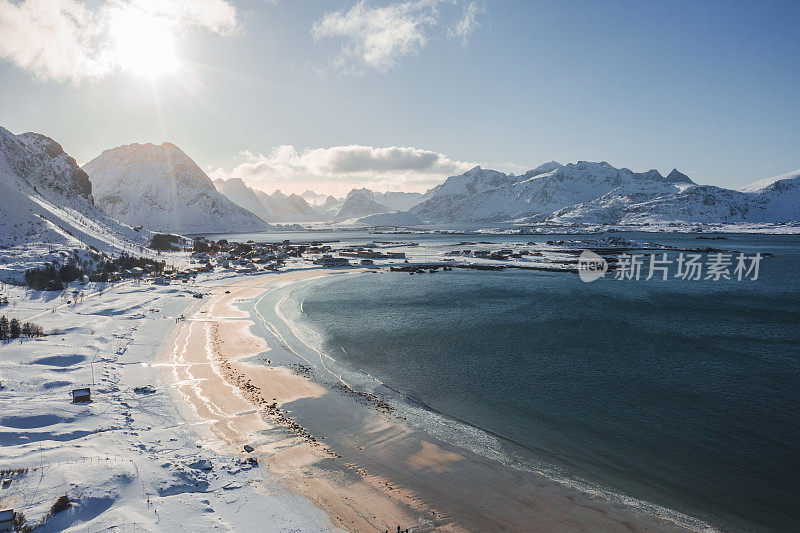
128 460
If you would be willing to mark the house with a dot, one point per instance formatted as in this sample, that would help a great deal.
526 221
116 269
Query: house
328 261
395 255
81 395
161 280
481 253
369 254
6 520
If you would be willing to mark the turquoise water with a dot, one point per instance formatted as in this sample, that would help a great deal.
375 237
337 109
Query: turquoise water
680 393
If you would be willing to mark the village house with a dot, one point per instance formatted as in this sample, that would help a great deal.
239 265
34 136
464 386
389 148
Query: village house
329 261
82 395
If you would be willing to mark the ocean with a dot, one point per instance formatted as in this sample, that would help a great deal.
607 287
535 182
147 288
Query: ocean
673 395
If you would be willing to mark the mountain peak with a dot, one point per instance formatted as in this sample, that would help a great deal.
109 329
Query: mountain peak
544 168
162 188
474 170
790 179
676 176
361 193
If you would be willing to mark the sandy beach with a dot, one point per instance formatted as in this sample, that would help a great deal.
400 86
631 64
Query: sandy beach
366 468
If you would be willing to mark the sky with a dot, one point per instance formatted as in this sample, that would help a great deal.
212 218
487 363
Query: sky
397 95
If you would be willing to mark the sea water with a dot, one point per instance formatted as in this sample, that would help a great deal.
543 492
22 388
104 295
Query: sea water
684 394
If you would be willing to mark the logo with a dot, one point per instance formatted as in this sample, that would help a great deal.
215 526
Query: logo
591 266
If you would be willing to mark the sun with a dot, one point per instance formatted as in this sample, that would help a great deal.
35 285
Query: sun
143 43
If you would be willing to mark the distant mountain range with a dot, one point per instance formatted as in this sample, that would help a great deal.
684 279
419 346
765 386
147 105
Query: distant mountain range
161 188
313 207
600 193
48 198
275 207
583 192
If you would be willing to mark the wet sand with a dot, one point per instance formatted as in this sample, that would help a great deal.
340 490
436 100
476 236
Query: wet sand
347 453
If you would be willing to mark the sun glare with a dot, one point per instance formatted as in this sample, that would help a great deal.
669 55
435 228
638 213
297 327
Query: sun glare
143 42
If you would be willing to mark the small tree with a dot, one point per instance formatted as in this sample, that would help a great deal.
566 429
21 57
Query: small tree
4 327
70 272
62 504
29 329
14 328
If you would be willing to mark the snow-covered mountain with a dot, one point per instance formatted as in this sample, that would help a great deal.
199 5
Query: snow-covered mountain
161 188
288 208
490 195
601 193
776 200
359 203
313 198
237 192
47 199
330 208
399 201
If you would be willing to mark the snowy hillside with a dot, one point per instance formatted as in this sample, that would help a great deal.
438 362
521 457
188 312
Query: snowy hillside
398 201
161 188
396 218
600 193
47 200
776 200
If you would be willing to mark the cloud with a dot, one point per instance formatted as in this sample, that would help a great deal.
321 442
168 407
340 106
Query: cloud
467 23
337 169
377 38
218 16
69 40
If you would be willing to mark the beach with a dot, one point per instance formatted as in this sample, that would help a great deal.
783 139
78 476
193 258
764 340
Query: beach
345 451
128 459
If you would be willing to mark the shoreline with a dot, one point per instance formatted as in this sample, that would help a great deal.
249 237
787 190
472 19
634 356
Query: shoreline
366 468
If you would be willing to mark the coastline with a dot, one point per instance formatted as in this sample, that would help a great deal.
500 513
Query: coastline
364 467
